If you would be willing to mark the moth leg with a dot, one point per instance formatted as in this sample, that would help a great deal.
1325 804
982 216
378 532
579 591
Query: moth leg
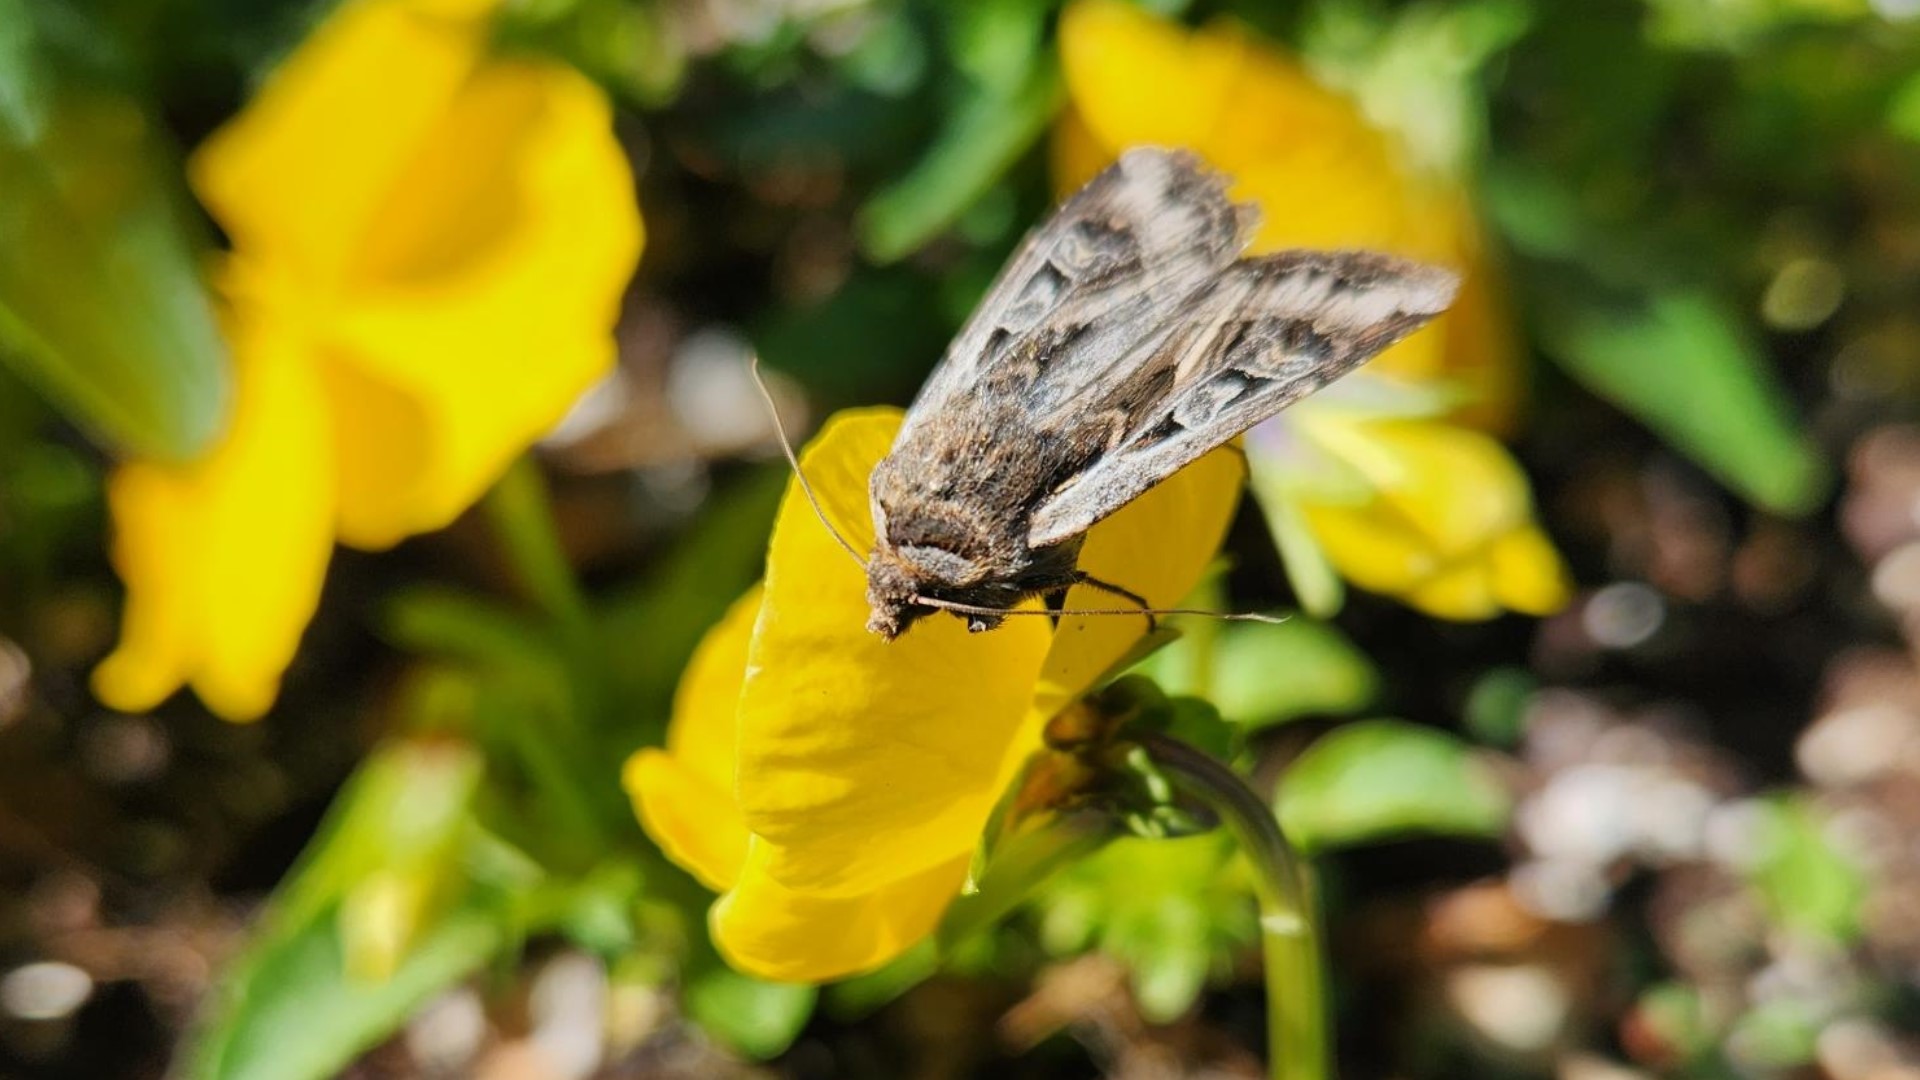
1081 577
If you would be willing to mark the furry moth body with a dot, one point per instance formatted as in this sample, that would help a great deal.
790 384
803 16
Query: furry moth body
1124 339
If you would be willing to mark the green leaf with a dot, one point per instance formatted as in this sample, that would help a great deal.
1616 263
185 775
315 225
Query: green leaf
1806 884
290 1011
755 1017
101 304
1496 709
1262 674
1778 1035
1682 363
1903 112
996 42
1196 722
1676 1016
1377 780
598 912
873 336
1269 674
984 135
383 881
1173 911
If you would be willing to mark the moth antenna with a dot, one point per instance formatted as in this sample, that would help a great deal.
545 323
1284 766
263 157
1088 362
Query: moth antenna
786 447
973 609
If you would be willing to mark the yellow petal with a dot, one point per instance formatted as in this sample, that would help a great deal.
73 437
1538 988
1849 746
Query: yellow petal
298 176
1463 593
863 761
1458 488
1075 152
704 733
458 229
1528 574
1449 525
486 301
694 820
1478 353
223 559
684 795
766 929
1138 80
1371 547
1158 546
1472 348
1324 176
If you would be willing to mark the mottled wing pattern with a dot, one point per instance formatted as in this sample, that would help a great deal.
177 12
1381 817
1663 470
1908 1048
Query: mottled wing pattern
1090 284
1264 333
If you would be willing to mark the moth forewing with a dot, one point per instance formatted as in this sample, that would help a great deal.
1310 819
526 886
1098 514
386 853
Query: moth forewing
1103 269
1274 329
1124 340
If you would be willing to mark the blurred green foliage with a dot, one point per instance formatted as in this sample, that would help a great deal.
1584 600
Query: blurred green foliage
1375 780
1677 187
101 303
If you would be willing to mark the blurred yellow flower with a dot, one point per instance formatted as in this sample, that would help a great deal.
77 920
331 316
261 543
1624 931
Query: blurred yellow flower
1431 512
430 242
1455 543
831 785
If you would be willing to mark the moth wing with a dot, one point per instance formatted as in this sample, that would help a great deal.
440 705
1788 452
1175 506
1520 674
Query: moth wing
1266 333
1088 283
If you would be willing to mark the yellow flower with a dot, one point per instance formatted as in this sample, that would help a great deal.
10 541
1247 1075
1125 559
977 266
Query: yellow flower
832 785
1431 512
430 243
1456 542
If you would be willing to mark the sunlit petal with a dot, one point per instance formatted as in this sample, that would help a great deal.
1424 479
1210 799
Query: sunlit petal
1075 152
864 761
1463 593
298 176
223 558
1138 80
767 929
1446 523
1457 486
486 297
693 819
1528 574
684 794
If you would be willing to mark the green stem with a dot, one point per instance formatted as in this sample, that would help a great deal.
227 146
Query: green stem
521 512
1289 932
1019 864
560 753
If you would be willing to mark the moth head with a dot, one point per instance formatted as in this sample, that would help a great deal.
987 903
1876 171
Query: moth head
900 576
891 593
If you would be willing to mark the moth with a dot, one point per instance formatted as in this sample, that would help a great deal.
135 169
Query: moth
1125 338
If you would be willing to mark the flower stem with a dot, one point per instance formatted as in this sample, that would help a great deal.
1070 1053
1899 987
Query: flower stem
521 512
1298 1047
561 756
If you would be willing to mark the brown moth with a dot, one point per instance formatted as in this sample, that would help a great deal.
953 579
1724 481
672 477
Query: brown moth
1124 339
